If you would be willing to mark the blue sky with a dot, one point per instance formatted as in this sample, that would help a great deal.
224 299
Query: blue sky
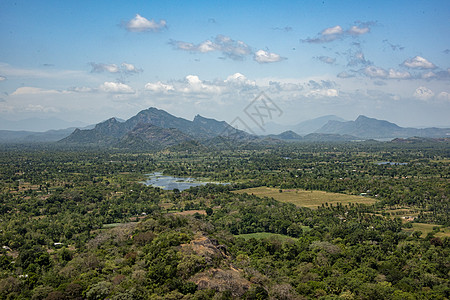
91 60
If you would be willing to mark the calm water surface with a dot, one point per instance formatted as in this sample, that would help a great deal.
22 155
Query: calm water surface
166 182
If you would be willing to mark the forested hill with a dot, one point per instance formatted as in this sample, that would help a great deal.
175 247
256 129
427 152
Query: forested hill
112 132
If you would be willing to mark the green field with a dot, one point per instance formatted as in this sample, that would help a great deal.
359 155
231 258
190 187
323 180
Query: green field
303 198
427 228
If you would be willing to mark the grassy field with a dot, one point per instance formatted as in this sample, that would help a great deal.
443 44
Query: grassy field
427 228
265 235
311 199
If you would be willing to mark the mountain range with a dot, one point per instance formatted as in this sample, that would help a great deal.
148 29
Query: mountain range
156 129
38 124
370 128
301 128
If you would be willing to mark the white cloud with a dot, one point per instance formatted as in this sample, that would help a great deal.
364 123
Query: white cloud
195 85
236 50
159 87
262 57
375 72
239 79
129 68
2 78
99 68
394 74
355 30
423 93
429 75
141 24
124 68
116 87
81 89
332 30
327 59
337 32
327 35
39 108
444 96
323 93
27 90
418 62
207 46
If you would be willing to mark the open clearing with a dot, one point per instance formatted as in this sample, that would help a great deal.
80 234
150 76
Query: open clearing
303 198
427 228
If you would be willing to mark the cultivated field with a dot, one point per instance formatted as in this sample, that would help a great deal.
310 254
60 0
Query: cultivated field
427 228
311 199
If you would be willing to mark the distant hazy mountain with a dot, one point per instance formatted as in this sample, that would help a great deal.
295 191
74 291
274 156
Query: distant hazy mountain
286 136
305 127
313 125
153 126
9 136
364 127
38 125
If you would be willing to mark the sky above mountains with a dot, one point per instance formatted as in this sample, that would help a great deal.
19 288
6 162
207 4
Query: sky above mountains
90 60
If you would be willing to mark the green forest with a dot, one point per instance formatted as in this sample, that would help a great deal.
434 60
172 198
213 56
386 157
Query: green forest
79 223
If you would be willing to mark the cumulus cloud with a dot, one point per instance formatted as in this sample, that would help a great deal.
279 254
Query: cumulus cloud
263 57
380 73
375 72
192 84
233 49
418 62
99 68
429 75
423 93
337 32
239 79
327 35
159 87
323 93
394 74
2 78
141 24
327 59
236 50
195 85
332 31
113 68
129 68
116 88
356 30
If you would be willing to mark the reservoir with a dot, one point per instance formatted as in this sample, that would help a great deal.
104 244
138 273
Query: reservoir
166 182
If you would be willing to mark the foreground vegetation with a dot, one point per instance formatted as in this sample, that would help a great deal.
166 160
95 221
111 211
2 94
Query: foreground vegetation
79 225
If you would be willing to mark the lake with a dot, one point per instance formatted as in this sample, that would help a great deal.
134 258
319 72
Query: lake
166 182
